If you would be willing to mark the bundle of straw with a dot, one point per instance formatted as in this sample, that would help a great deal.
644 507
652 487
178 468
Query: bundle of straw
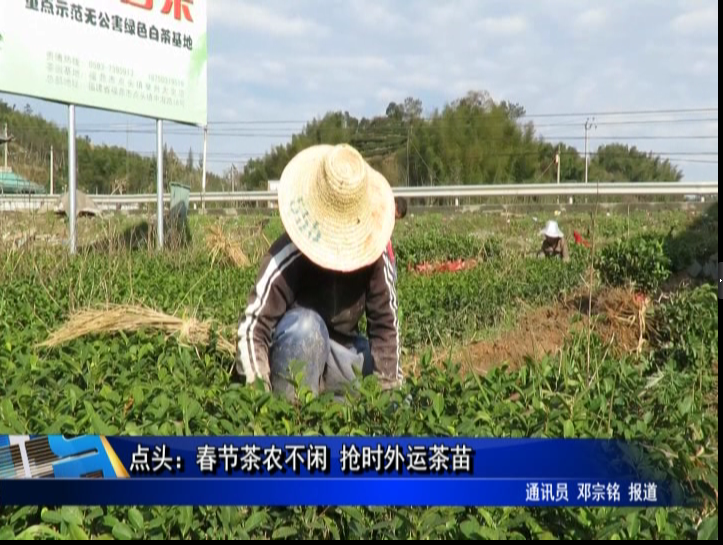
222 247
117 318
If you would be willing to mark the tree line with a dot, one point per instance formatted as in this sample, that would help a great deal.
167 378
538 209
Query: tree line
472 140
101 168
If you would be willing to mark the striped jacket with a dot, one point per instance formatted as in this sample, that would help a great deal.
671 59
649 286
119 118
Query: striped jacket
288 279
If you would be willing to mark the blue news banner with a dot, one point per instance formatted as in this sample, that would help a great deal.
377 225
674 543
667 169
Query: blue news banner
323 471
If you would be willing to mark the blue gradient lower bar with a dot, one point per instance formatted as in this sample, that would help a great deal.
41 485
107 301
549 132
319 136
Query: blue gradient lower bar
299 491
287 471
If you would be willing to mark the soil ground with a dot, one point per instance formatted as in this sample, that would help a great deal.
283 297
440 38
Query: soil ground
536 333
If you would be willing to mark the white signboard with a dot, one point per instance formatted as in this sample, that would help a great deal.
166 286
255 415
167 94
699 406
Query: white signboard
143 57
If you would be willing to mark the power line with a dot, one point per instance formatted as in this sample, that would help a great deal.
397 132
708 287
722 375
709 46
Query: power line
252 123
699 161
404 136
445 124
479 154
659 121
628 112
670 111
656 137
396 133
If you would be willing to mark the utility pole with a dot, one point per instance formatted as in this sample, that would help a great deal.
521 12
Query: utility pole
203 175
589 125
557 160
51 170
409 138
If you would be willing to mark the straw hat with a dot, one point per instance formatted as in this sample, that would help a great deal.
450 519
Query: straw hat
336 208
552 230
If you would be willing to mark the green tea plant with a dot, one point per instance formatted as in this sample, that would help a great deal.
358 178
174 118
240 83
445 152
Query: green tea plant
698 241
435 245
453 306
146 384
434 308
640 261
686 328
166 389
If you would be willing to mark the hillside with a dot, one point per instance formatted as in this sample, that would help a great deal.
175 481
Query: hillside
101 168
473 140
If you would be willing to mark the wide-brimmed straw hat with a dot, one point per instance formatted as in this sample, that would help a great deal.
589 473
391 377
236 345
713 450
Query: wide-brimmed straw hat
552 230
336 208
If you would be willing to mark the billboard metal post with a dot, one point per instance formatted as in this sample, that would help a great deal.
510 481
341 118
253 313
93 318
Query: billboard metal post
72 180
159 182
203 177
52 184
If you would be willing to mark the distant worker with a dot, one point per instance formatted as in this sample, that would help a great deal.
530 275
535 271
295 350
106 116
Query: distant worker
554 245
319 278
401 207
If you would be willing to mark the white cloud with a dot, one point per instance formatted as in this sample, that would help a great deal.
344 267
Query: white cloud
347 63
503 26
273 67
376 15
257 18
247 69
697 21
421 80
387 94
592 18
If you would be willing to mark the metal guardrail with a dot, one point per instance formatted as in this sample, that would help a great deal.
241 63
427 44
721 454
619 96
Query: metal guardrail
450 192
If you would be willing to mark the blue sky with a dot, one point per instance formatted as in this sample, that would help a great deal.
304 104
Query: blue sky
276 63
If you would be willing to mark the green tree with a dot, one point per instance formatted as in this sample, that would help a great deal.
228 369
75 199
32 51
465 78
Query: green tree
622 163
100 167
395 111
412 110
472 140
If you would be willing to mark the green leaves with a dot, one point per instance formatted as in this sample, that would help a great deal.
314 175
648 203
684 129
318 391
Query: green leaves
569 429
284 532
76 532
51 517
147 384
709 529
469 529
457 306
122 532
438 404
71 515
641 261
136 519
255 520
686 329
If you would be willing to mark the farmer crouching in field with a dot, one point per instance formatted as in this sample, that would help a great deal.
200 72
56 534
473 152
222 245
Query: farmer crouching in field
554 244
319 278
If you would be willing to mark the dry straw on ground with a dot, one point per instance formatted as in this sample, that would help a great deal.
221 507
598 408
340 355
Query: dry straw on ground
128 319
223 249
631 309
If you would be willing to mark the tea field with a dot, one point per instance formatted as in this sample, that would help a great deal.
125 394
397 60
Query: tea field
661 392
